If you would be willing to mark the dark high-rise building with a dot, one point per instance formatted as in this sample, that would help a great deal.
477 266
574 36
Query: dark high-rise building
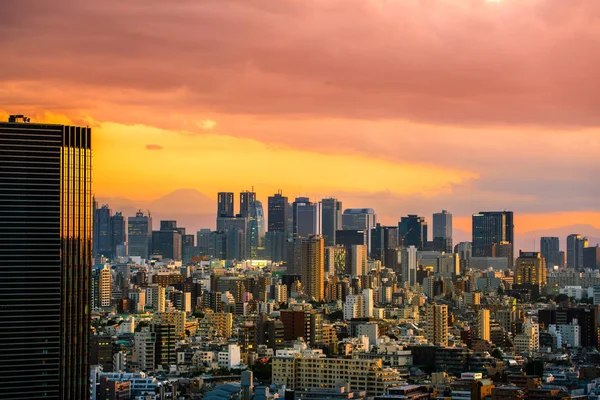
412 231
348 238
360 219
591 257
46 215
491 230
442 231
256 229
306 217
246 199
384 242
550 250
102 243
168 225
331 219
187 248
225 205
167 243
575 246
278 213
139 233
586 316
117 232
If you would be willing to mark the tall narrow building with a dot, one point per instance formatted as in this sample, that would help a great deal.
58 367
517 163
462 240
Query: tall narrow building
275 238
102 242
483 324
312 267
442 231
436 329
139 232
306 217
46 218
331 219
246 199
575 246
550 249
225 205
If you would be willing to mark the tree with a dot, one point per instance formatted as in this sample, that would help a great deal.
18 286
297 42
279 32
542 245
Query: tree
497 353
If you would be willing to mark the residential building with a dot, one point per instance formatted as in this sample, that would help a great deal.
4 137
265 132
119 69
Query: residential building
436 329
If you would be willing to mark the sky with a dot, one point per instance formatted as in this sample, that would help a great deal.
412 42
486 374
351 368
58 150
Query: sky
404 106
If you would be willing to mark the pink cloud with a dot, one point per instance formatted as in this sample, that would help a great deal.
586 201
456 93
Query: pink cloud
154 147
446 61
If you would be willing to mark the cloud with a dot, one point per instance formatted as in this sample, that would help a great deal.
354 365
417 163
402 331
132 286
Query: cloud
447 61
153 147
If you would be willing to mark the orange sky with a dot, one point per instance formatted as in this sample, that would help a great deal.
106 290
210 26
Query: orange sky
402 106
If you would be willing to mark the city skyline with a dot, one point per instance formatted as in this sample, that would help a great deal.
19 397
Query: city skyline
410 139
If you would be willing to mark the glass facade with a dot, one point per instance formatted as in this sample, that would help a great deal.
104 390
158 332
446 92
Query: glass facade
45 260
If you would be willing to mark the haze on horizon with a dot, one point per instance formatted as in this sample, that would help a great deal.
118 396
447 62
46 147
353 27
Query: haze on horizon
402 106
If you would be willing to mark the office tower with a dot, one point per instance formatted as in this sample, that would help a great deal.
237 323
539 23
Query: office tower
187 248
203 241
167 241
363 219
102 234
225 205
483 324
313 266
550 250
412 231
530 272
46 215
436 329
306 217
256 226
169 225
591 257
246 199
490 230
117 233
166 341
384 239
218 245
278 213
575 246
409 265
238 236
442 231
139 233
331 219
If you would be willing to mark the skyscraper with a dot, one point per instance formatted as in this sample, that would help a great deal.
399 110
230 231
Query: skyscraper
102 241
436 329
360 219
550 251
256 225
384 245
117 232
412 231
46 215
139 232
225 205
442 231
313 266
493 230
575 246
331 219
246 199
306 217
278 213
